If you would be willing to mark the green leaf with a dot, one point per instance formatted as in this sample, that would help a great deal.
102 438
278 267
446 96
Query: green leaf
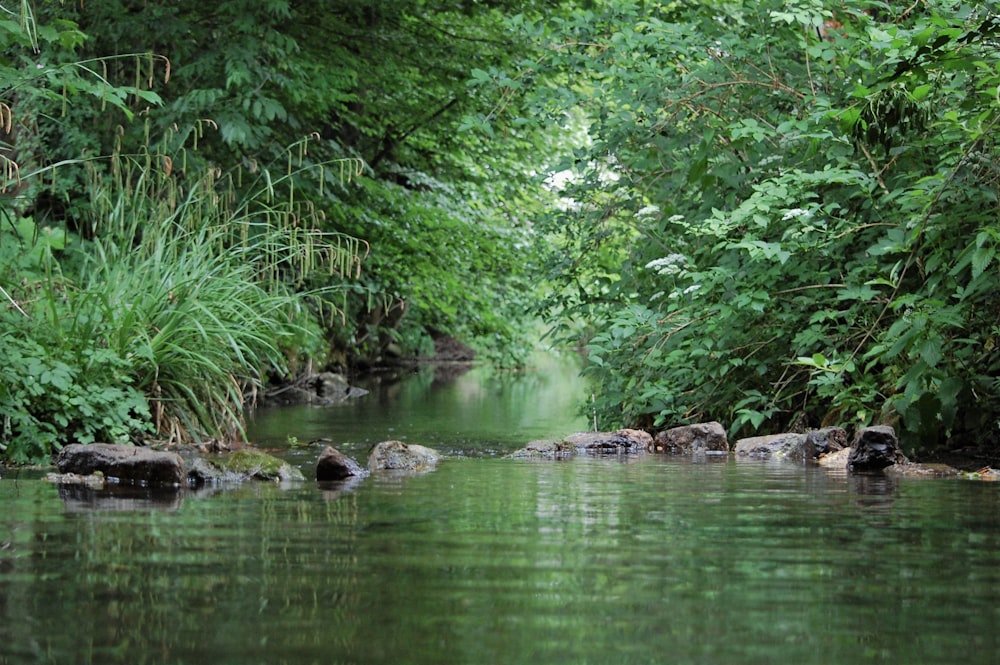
981 259
863 293
930 352
920 91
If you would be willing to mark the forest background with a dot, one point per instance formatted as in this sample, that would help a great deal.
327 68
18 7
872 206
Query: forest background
770 214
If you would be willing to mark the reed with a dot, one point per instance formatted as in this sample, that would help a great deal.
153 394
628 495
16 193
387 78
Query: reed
168 322
201 290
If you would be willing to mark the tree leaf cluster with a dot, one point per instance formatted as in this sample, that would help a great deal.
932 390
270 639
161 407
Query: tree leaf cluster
237 82
784 212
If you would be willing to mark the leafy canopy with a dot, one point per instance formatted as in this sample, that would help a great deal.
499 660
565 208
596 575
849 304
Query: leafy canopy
782 210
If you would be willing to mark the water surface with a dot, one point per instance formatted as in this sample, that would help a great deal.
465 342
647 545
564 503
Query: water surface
495 561
481 411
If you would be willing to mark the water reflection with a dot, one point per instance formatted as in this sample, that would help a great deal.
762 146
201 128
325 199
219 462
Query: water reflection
492 560
488 560
480 411
873 491
78 498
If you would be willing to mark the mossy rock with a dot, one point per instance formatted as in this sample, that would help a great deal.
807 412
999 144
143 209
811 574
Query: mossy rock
256 464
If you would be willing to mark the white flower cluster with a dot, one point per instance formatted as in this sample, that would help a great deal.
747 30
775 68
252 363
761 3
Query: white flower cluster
668 265
796 212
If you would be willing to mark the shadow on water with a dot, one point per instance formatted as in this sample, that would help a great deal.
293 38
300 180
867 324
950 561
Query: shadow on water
77 498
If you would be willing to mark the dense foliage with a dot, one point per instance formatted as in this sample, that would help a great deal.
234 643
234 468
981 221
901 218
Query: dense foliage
785 212
381 82
198 196
770 214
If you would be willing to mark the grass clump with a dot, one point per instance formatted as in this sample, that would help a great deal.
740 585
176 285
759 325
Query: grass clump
166 324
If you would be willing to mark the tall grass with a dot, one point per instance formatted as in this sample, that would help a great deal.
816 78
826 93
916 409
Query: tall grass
201 291
167 322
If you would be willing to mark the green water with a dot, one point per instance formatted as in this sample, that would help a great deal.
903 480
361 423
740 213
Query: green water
496 561
479 412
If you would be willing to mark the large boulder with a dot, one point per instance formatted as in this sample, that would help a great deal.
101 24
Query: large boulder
874 449
792 446
399 456
697 438
335 465
123 464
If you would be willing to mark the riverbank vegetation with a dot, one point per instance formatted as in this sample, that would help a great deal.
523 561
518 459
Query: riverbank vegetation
786 213
768 214
199 198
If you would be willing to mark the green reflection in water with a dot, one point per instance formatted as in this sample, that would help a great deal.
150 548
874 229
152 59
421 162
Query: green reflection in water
502 561
496 561
480 411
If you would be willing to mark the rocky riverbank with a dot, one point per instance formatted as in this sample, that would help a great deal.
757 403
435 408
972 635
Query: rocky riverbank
872 450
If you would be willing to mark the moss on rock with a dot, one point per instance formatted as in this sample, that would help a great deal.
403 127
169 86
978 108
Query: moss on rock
256 464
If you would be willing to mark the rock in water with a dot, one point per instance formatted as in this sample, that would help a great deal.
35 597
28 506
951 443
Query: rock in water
399 456
792 446
619 442
697 438
126 464
544 449
334 465
240 466
874 449
826 441
788 445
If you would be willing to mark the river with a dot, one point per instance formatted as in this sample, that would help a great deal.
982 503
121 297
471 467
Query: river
490 560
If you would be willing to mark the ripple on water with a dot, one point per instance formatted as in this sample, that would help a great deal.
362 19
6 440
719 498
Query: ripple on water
503 561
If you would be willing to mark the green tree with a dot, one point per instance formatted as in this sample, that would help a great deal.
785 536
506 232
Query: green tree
443 212
784 211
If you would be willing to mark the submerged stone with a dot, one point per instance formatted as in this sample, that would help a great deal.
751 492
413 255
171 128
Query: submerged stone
914 470
94 481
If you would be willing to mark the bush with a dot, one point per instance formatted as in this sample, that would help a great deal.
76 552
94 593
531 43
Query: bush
57 388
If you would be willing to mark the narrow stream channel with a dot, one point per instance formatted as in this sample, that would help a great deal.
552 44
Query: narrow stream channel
490 560
471 412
